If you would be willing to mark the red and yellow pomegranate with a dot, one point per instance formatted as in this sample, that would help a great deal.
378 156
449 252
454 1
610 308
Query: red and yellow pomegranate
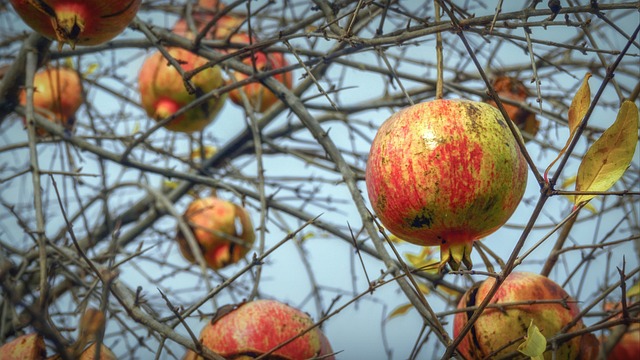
445 173
223 230
513 89
81 22
498 327
259 326
628 347
163 91
25 347
258 95
57 96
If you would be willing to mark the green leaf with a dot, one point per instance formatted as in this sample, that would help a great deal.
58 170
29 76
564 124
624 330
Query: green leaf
534 343
609 157
577 110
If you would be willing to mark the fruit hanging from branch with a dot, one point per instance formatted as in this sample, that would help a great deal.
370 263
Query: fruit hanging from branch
259 97
525 299
223 231
257 327
163 91
445 173
77 22
57 96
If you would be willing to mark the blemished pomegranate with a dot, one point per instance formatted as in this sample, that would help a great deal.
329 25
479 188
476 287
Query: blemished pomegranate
223 230
257 94
25 347
163 92
77 22
499 330
445 173
256 327
57 96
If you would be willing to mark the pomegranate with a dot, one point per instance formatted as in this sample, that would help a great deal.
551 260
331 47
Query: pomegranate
513 89
628 347
499 326
223 230
25 347
57 96
163 92
447 173
258 95
256 327
82 22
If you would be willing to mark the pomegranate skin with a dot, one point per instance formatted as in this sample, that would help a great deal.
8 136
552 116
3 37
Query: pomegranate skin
258 95
81 22
447 173
163 92
58 94
258 326
25 347
497 327
212 222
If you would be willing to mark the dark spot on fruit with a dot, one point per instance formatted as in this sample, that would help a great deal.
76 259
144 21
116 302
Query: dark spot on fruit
422 220
382 203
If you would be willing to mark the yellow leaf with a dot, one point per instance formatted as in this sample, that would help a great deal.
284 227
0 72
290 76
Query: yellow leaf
578 108
422 259
448 290
609 157
570 181
136 127
91 69
423 288
68 63
169 185
534 343
634 290
400 310
394 239
208 151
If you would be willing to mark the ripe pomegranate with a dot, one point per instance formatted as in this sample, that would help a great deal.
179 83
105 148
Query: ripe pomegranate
256 327
513 89
163 92
499 326
258 95
628 347
447 173
25 347
223 231
82 22
57 96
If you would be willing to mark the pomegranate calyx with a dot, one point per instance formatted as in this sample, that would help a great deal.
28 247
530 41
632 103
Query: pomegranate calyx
68 27
455 254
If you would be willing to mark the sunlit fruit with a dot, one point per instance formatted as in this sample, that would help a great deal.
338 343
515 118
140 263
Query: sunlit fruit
81 22
25 347
57 95
258 327
163 91
445 173
524 297
223 231
259 97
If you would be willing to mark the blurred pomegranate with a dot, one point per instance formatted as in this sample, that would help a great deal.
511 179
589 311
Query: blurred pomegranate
256 327
499 330
223 230
445 173
628 347
82 22
25 347
513 89
57 96
258 95
163 91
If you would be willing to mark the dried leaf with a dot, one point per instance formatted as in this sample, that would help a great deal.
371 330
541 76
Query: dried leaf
534 344
579 106
609 157
208 152
400 310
